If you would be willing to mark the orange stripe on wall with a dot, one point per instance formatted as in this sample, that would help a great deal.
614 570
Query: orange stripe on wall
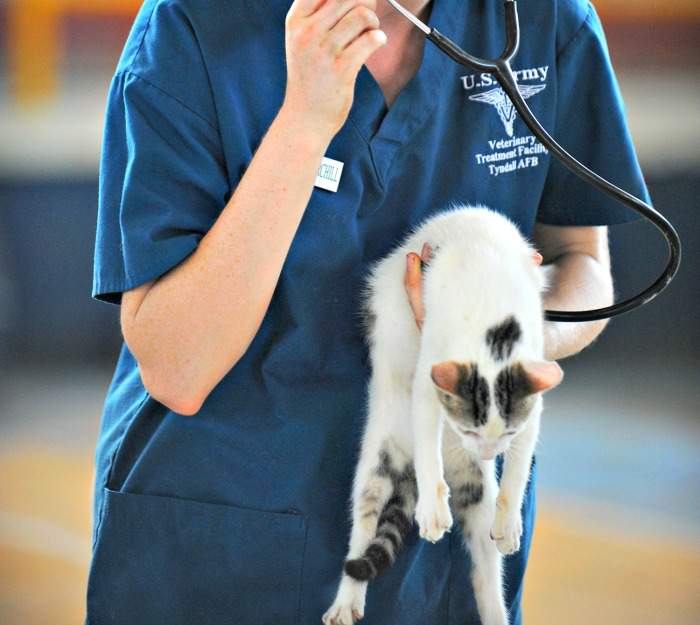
632 10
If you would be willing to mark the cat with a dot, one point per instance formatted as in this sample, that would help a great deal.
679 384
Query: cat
477 365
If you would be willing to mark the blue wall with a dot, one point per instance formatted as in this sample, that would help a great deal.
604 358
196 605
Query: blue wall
47 234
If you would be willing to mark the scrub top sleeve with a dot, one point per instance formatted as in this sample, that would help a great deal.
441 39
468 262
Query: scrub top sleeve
590 124
163 183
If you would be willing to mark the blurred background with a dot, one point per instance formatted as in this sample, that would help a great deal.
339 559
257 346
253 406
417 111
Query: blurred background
618 531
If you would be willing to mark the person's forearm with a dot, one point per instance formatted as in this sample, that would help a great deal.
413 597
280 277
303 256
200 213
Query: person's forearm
579 283
198 319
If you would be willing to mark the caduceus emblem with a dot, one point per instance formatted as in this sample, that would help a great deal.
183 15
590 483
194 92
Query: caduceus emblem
506 111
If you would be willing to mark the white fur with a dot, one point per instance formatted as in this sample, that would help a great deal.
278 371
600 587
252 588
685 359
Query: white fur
482 272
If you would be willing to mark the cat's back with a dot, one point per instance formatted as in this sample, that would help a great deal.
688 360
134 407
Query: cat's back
483 273
471 231
463 238
470 243
482 270
482 256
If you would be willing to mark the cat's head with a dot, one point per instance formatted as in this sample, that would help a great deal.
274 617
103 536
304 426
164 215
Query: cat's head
486 412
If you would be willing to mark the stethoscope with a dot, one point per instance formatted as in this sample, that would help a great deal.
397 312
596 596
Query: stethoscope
504 74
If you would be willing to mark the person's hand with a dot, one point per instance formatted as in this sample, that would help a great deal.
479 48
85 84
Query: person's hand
413 280
326 45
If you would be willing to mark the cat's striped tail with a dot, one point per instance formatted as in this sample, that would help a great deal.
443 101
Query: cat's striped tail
394 524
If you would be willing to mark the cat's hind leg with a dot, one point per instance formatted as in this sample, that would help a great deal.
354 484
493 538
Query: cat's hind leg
371 490
384 493
382 510
473 502
394 520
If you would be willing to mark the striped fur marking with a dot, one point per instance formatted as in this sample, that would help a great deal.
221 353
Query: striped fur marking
502 338
368 320
474 389
512 388
468 494
394 523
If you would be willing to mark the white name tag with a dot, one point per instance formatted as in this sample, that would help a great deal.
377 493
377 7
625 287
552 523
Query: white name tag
328 176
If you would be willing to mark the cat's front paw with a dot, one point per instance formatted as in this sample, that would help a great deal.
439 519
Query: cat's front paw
433 513
507 530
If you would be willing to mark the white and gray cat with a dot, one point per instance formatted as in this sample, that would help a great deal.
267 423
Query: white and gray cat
476 365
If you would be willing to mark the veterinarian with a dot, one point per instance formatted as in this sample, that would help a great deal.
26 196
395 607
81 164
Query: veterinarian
257 157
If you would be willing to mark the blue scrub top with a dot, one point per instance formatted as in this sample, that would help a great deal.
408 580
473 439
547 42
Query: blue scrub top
239 515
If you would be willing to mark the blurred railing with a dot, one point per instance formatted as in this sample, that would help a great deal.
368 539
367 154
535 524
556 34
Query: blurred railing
647 10
36 45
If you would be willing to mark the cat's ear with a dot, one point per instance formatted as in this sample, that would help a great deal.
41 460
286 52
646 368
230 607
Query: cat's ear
542 375
445 375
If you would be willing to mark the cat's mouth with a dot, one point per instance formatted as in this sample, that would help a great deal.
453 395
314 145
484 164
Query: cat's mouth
488 455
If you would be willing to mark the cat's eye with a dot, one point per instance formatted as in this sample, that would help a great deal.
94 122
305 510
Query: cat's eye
469 432
509 433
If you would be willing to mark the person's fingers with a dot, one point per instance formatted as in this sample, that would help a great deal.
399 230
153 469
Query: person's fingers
412 282
304 8
356 21
537 257
333 11
353 57
427 252
412 276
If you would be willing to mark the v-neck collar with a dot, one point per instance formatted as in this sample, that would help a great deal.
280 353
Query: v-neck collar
415 101
385 131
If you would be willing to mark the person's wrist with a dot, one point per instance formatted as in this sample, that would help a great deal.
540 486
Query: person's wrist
551 340
307 132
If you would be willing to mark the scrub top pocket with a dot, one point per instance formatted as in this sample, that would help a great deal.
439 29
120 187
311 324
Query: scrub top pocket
182 562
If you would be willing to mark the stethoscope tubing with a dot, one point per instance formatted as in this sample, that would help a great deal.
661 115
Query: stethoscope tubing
500 67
